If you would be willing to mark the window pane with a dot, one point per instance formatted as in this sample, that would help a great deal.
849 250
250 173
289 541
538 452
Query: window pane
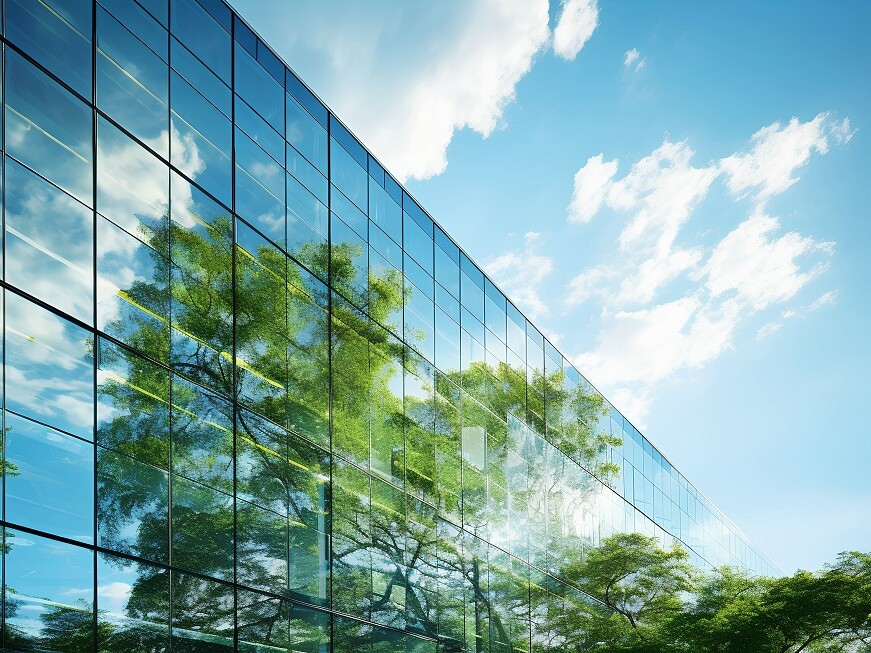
49 243
133 506
202 435
263 623
306 218
49 368
261 548
202 288
51 484
57 34
259 89
49 594
132 186
202 34
48 129
348 176
132 83
306 135
201 77
202 529
132 405
132 291
202 615
259 189
202 138
132 604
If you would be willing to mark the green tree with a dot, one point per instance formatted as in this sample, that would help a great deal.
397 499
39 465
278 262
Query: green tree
659 602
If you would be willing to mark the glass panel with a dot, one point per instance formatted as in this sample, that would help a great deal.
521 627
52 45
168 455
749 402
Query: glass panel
261 548
202 529
48 594
306 135
57 34
48 129
306 220
201 77
261 322
133 506
132 186
49 243
202 615
134 15
263 623
307 174
202 288
384 211
308 357
259 130
204 36
132 405
49 480
49 368
132 83
202 138
132 291
132 605
418 244
259 89
259 189
202 436
348 176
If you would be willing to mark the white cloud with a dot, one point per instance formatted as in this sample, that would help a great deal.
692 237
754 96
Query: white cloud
761 269
842 132
767 329
591 183
777 152
520 274
634 404
671 304
642 285
825 299
114 596
663 189
589 283
406 77
577 22
631 57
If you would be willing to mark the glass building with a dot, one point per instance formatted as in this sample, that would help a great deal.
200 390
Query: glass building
253 396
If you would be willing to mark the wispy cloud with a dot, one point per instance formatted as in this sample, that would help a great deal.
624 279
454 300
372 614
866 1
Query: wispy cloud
632 60
577 22
669 304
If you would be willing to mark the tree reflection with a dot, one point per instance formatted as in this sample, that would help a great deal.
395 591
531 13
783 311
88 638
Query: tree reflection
253 496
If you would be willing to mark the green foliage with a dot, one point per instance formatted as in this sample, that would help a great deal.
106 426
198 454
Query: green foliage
661 603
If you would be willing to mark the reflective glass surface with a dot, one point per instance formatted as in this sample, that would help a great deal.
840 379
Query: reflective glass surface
253 397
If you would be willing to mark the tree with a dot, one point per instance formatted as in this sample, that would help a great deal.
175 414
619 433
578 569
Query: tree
659 602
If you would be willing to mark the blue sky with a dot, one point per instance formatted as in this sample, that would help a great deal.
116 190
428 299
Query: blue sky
676 193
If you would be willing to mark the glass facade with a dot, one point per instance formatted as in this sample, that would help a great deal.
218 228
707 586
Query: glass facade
254 398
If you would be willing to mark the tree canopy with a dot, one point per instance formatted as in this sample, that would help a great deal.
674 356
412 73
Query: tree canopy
659 602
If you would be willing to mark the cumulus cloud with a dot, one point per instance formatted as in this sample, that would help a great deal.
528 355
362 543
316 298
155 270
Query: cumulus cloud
669 304
520 274
591 184
777 152
760 268
406 77
576 25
